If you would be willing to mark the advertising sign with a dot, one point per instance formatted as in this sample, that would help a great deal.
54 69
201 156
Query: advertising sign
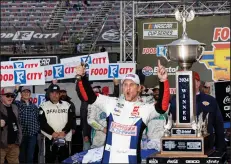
160 30
44 60
36 98
222 93
22 77
214 31
110 71
20 64
60 71
31 35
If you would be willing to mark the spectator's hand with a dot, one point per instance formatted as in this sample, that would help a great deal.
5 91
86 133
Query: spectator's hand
116 81
3 123
55 81
80 70
86 139
105 130
62 134
17 87
161 72
73 131
55 135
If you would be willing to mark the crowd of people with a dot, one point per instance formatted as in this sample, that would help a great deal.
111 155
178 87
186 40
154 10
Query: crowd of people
115 121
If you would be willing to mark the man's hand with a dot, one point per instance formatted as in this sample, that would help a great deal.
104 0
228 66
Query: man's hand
73 131
55 81
116 81
3 123
161 72
105 130
80 70
86 139
61 134
17 87
55 135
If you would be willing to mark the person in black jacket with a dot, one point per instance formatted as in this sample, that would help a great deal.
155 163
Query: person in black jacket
207 104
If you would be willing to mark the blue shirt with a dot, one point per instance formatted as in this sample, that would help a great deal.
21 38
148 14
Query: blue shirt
28 118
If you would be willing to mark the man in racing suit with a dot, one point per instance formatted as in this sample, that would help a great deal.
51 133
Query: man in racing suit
127 118
97 118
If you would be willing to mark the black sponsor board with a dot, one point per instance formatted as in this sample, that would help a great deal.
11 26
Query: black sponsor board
184 98
214 158
44 60
185 145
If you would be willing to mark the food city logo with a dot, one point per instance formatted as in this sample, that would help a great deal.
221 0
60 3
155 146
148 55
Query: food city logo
160 30
148 71
21 77
28 35
113 71
159 51
218 60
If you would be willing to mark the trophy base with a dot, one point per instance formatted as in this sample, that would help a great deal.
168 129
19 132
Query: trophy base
212 157
185 145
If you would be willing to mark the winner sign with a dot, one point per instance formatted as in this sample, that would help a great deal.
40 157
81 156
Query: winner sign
110 71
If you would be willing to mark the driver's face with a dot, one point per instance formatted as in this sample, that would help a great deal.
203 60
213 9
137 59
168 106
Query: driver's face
130 90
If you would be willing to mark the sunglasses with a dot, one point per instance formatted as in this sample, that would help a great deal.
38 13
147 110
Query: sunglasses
9 95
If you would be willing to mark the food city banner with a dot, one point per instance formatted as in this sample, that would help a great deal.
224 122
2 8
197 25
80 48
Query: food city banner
31 35
36 98
22 77
110 71
222 94
214 31
20 64
60 71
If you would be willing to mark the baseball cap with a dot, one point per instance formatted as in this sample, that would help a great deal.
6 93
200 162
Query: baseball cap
6 90
55 88
196 76
131 76
157 87
26 88
96 89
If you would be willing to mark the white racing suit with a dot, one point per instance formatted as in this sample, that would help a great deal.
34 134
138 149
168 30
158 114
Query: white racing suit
126 121
96 118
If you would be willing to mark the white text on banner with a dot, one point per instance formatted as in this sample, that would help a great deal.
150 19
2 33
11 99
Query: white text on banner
110 71
22 77
20 64
60 71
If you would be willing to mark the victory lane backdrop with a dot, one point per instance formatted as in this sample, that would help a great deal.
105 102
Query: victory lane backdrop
201 29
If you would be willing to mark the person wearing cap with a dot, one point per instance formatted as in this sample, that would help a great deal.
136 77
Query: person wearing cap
55 123
207 104
127 116
96 117
11 133
29 119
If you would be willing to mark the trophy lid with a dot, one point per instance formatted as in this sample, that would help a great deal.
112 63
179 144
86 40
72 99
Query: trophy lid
185 41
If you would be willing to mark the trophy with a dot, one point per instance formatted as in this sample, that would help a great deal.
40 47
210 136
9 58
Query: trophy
188 136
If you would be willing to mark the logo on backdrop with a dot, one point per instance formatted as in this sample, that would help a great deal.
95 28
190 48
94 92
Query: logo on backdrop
160 30
147 71
161 51
218 60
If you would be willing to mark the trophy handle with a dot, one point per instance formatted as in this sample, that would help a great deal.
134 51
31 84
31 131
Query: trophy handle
200 49
166 56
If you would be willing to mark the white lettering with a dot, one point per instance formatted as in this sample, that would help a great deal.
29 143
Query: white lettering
172 161
192 161
153 161
228 89
20 75
226 100
184 118
183 90
58 71
212 161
